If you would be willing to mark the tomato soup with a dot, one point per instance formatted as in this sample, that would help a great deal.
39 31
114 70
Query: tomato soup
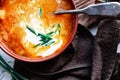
31 29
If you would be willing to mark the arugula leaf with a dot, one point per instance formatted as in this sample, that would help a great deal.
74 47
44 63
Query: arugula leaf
31 30
40 12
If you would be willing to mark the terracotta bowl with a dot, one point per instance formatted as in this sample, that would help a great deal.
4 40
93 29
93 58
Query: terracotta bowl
26 59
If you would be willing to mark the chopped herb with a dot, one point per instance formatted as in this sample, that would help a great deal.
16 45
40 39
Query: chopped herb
40 12
46 39
53 26
51 33
37 45
59 28
31 30
49 43
14 74
45 43
58 25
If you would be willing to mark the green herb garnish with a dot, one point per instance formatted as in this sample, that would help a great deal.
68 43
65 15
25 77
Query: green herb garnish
30 29
45 43
14 74
46 39
40 12
37 45
49 43
51 33
58 28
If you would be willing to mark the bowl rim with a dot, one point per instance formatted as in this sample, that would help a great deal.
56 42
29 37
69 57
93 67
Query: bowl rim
23 58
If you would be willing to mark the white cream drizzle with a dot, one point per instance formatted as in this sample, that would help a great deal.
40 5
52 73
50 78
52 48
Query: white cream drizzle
58 1
51 50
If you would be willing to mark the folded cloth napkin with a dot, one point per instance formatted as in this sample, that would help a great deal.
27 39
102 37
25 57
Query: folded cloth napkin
87 58
107 37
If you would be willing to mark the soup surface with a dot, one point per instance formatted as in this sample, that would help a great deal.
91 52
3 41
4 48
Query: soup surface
30 28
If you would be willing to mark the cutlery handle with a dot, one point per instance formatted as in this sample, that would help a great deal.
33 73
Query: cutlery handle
104 10
69 11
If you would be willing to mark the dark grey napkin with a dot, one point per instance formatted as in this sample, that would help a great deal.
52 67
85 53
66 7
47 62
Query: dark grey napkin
107 37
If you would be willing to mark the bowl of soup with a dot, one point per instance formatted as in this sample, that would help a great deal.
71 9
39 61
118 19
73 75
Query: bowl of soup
31 32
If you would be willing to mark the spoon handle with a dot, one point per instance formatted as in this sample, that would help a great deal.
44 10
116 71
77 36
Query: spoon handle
69 11
106 10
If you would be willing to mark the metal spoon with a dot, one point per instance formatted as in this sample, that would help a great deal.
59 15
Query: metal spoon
106 10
